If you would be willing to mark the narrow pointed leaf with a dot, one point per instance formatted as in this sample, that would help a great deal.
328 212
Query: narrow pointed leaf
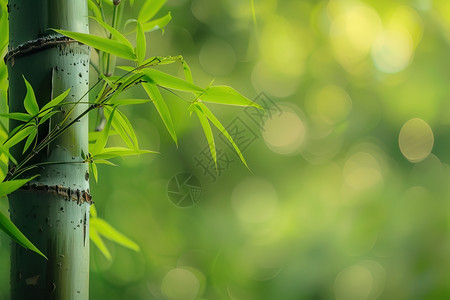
118 123
10 186
187 71
115 33
226 95
55 101
157 24
103 138
120 120
48 116
19 136
93 168
29 140
109 46
140 43
97 240
95 10
170 81
109 232
30 103
93 211
222 129
10 229
17 116
112 152
5 151
161 107
208 132
149 9
105 162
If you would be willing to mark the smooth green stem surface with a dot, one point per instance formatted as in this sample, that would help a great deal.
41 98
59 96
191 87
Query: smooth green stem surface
52 213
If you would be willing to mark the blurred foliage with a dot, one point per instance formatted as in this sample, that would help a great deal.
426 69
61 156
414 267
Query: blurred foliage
347 194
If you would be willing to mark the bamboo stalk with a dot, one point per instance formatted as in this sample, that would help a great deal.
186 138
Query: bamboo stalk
53 211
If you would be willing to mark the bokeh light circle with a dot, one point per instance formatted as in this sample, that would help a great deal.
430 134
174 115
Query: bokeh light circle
416 140
254 200
331 104
180 284
353 283
284 133
362 171
392 50
217 57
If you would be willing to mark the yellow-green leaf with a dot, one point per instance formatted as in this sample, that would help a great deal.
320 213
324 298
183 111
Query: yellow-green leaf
30 103
115 33
112 152
55 101
208 132
97 240
95 10
109 232
10 186
161 107
140 44
157 24
222 129
29 140
109 46
18 136
170 81
10 229
17 116
103 138
149 9
226 95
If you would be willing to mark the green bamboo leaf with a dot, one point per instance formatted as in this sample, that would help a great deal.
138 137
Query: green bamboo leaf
54 102
103 138
121 102
29 140
170 81
149 10
109 46
17 116
112 152
140 44
115 33
222 129
187 71
97 240
109 81
95 135
208 132
18 136
120 120
93 211
94 170
5 151
109 232
95 10
48 116
161 107
157 24
10 229
10 186
118 123
105 162
226 95
30 102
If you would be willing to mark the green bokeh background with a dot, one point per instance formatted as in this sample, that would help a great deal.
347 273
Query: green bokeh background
347 193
